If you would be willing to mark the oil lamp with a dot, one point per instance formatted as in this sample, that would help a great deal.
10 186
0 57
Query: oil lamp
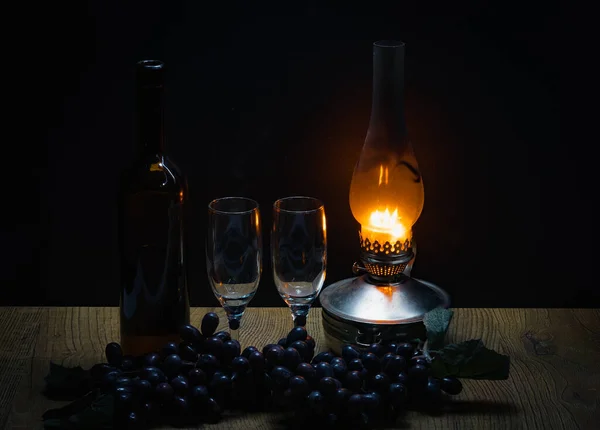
382 302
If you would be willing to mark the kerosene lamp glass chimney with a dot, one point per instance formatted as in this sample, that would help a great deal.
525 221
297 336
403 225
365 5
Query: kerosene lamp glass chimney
386 192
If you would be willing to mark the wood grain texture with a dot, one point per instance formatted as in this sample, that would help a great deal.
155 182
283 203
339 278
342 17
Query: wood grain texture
554 381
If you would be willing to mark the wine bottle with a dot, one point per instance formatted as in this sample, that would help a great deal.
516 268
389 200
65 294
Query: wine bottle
153 194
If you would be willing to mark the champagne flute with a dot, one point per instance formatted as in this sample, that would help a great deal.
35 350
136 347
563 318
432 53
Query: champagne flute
234 255
299 252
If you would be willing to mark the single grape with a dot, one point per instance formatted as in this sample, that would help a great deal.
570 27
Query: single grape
310 342
391 347
164 392
299 386
301 347
97 371
291 358
240 364
189 333
209 324
231 349
324 356
188 353
307 371
223 335
208 363
219 387
248 350
282 342
267 347
127 363
339 370
180 384
419 360
340 399
143 387
181 409
212 411
151 359
172 365
331 419
402 378
350 352
451 385
395 365
109 380
329 385
114 354
149 410
214 346
371 362
377 348
199 394
386 358
324 369
297 333
281 376
316 401
123 381
257 361
417 375
133 420
379 382
397 394
355 364
154 375
354 381
274 356
169 348
196 376
433 391
406 350
355 405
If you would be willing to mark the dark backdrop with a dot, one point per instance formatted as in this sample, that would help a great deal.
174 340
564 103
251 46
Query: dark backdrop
267 101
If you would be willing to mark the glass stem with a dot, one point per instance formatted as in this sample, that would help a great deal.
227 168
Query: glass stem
299 313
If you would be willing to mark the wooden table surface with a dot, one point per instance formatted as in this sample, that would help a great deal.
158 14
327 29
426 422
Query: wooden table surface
554 379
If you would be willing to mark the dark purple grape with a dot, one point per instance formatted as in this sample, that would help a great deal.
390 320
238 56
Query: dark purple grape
208 363
164 392
282 342
331 419
371 362
248 350
324 356
212 411
391 347
417 375
350 352
151 359
124 381
386 358
196 376
298 386
274 356
355 364
451 385
187 353
149 410
310 342
406 350
214 346
267 347
189 333
377 348
340 399
223 335
209 324
114 354
97 371
433 391
297 333
291 358
353 381
323 369
281 376
316 402
328 386
199 394
231 349
397 394
355 405
307 371
180 408
257 361
128 363
133 420
401 378
123 399
372 402
143 387
379 382
395 365
172 365
419 360
109 380
169 348
301 347
153 375
339 370
240 364
180 384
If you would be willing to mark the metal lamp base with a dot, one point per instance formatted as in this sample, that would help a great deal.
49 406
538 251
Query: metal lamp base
362 311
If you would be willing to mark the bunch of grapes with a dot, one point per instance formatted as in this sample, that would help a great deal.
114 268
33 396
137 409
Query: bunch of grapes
206 373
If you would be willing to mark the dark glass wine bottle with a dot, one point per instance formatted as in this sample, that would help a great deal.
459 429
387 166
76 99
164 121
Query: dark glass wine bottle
154 300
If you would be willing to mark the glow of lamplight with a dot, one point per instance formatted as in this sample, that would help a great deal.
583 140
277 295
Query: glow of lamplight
386 226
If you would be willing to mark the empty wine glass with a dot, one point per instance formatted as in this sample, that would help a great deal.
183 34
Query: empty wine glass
234 254
299 252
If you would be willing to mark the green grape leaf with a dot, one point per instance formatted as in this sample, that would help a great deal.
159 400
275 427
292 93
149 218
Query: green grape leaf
66 383
470 360
436 323
91 412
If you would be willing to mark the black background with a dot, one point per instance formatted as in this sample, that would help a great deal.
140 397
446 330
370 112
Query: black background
267 100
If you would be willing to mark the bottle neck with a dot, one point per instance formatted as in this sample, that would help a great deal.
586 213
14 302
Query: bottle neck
150 120
387 110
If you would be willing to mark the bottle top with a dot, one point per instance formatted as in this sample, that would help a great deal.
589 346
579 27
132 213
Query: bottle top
150 73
